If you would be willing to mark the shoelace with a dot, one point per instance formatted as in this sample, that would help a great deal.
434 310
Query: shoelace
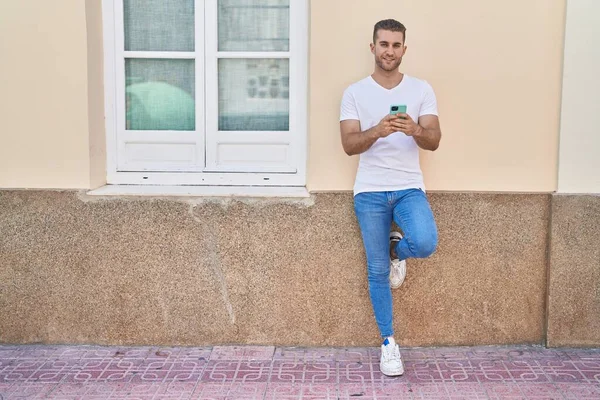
389 354
392 354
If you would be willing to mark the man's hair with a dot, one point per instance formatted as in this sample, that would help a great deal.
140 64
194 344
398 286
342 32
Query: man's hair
389 25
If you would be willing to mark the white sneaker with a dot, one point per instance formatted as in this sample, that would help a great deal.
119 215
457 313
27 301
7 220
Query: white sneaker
397 273
397 267
391 363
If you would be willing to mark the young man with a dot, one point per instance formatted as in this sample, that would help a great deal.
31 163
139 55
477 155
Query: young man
389 183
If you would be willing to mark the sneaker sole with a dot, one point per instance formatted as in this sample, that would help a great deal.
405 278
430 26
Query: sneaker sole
391 373
396 286
396 236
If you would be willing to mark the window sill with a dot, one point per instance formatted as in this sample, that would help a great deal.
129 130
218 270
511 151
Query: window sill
200 191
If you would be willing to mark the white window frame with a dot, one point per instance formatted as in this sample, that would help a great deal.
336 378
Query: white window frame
206 113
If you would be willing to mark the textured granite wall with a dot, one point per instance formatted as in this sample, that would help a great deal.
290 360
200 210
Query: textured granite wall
279 272
574 301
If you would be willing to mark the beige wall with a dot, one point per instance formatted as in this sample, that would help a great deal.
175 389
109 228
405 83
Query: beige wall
43 95
95 62
484 60
579 164
496 70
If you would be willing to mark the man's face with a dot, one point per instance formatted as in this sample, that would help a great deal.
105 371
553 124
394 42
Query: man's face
388 49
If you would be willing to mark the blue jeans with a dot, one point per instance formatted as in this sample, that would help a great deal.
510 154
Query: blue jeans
410 210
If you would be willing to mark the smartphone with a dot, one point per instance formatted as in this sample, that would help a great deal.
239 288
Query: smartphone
397 108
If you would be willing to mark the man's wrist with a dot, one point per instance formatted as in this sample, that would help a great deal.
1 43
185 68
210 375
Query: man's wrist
420 131
375 132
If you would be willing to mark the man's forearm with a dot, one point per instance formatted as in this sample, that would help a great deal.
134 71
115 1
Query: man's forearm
359 142
428 139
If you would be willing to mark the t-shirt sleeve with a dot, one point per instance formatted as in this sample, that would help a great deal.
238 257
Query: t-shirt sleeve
429 104
348 108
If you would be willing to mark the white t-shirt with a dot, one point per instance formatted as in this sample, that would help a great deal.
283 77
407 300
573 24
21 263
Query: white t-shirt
392 163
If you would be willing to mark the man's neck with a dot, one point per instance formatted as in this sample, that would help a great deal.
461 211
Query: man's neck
387 79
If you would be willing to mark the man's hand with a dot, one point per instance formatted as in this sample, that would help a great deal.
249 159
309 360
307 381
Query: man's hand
387 126
404 123
426 132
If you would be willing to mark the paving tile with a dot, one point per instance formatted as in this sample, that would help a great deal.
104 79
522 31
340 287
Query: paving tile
176 390
244 353
83 376
148 376
242 371
540 391
41 376
493 376
459 376
488 364
300 354
356 390
10 351
429 373
229 390
280 391
358 354
355 372
578 391
429 391
416 354
501 391
591 376
458 364
307 372
76 391
25 390
449 353
39 352
395 387
15 376
528 376
469 390
565 376
134 390
93 391
183 376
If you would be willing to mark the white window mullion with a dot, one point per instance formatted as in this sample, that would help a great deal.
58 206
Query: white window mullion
120 80
299 85
211 80
200 85
110 86
161 54
253 54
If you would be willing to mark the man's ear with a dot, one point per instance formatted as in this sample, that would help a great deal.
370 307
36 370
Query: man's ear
372 46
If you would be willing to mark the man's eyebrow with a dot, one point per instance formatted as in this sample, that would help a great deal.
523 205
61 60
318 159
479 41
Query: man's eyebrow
386 42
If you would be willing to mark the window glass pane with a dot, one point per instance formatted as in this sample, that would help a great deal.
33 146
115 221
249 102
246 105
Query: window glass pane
159 25
254 25
160 94
254 95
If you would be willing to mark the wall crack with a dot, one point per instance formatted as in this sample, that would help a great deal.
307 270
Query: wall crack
215 263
